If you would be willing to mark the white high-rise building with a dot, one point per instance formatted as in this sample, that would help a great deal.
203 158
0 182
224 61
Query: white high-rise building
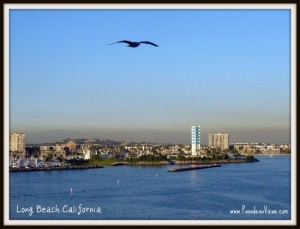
17 142
218 141
195 140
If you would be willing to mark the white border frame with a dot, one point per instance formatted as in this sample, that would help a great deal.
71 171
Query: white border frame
292 7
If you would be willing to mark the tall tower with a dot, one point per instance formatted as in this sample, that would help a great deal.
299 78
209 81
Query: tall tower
195 140
219 141
17 142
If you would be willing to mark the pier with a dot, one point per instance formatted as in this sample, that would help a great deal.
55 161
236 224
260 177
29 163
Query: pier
193 168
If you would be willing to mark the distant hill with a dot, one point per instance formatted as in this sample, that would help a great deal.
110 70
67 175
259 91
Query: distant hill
96 141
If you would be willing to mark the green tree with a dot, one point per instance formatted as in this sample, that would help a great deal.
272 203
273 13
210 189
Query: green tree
180 156
49 157
225 156
95 160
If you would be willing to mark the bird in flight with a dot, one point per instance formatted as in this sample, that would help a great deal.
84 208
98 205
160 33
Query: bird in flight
133 44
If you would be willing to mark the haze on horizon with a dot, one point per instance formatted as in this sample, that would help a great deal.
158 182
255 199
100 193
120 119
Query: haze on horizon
225 70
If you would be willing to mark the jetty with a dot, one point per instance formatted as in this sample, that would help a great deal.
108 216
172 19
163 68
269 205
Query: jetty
193 168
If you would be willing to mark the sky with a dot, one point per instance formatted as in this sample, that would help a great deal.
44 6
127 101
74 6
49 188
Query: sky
227 71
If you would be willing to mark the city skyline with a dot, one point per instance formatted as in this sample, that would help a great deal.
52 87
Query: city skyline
226 70
78 135
17 142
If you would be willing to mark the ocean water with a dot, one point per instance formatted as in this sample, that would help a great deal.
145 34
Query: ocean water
260 190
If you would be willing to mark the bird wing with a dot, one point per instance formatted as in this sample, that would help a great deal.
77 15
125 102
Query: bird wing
124 41
148 42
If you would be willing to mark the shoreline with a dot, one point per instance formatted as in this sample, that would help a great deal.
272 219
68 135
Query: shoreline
142 164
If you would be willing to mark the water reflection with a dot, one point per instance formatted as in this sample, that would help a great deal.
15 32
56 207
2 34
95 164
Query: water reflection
194 177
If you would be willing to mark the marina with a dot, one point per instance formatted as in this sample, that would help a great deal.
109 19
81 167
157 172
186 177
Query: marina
27 169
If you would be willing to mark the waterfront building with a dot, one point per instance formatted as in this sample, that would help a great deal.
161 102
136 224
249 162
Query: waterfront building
45 148
87 153
17 142
218 141
195 140
59 148
105 155
72 146
254 148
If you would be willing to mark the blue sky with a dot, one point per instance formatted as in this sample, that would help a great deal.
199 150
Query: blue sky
225 70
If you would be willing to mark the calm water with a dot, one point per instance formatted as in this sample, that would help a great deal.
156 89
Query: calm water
152 193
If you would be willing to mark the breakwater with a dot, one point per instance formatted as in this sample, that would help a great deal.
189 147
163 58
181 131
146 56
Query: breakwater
193 168
157 163
212 162
55 168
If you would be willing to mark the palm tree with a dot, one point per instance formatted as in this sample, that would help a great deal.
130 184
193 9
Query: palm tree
236 154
